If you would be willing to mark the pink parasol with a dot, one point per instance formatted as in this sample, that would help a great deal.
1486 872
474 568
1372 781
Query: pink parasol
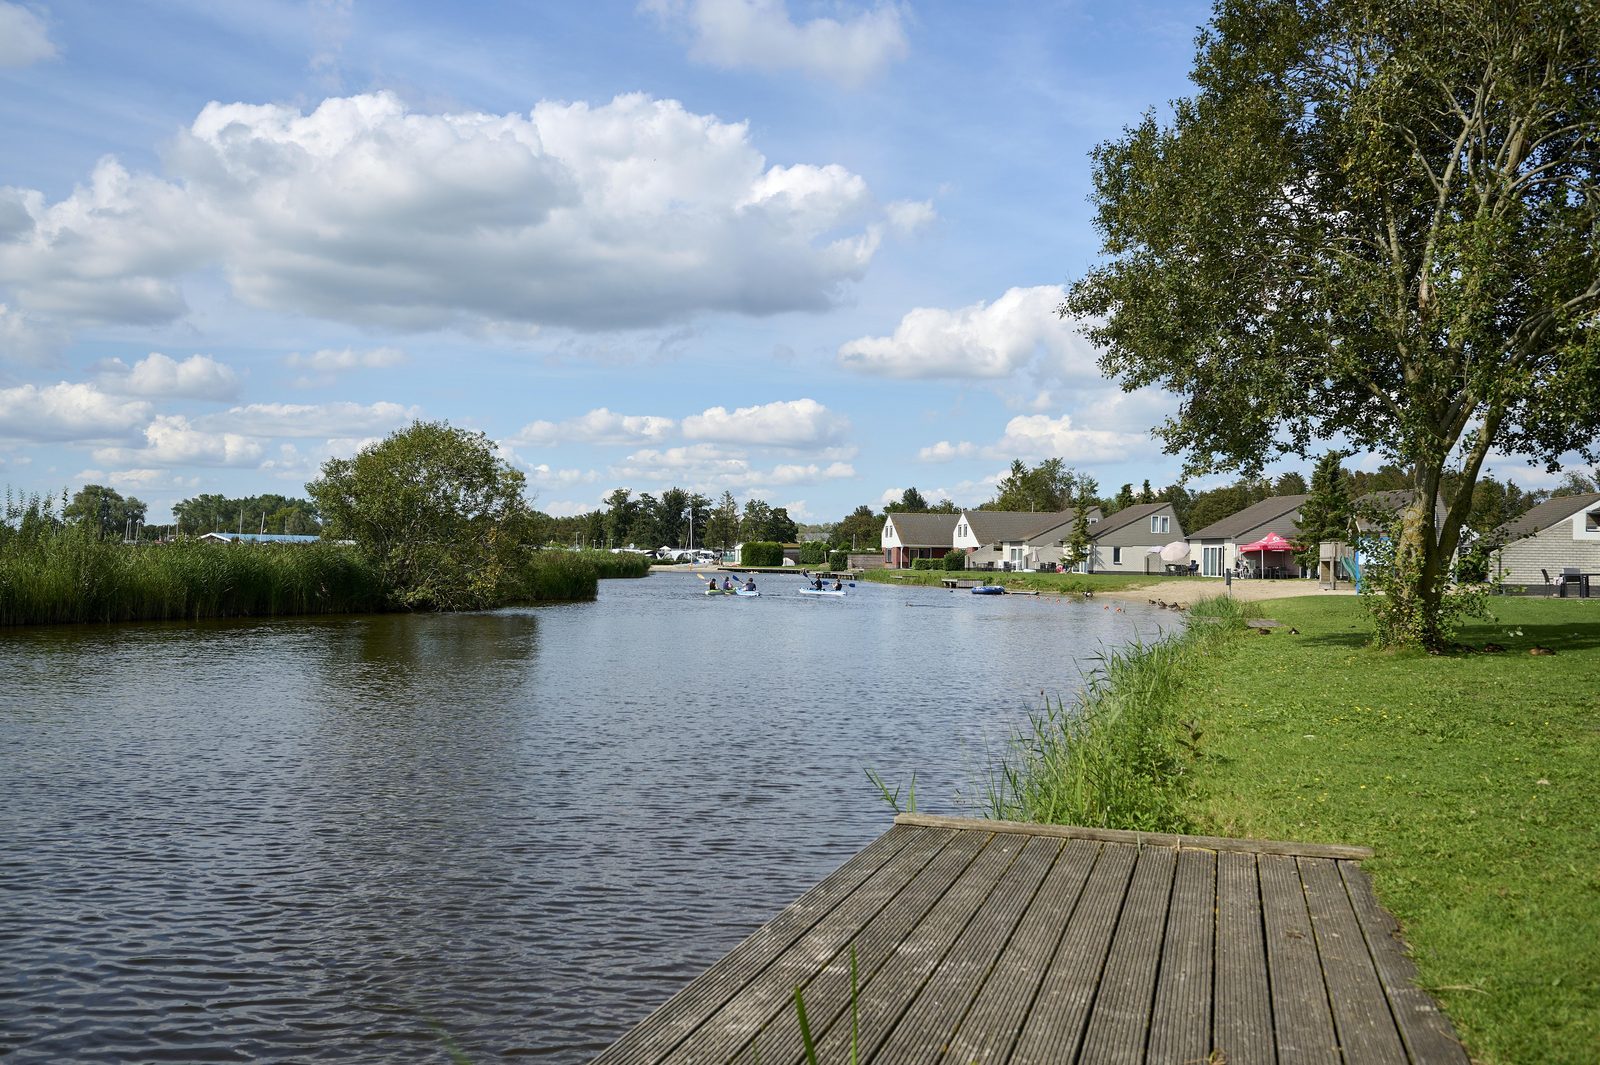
1270 542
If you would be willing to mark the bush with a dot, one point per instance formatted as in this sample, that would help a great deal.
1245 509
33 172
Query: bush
955 559
621 564
761 553
562 576
927 563
839 561
813 553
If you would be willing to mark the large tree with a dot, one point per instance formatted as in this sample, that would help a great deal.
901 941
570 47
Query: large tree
435 509
106 512
1376 220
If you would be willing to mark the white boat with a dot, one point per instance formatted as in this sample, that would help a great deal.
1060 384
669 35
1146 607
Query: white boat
748 593
840 594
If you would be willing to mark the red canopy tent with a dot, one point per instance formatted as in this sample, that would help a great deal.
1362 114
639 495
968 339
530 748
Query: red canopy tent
1270 542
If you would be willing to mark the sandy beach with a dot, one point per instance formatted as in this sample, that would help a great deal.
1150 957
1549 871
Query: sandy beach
1191 591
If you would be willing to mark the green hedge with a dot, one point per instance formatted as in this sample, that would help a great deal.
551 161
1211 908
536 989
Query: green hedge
839 561
761 553
813 553
955 559
927 563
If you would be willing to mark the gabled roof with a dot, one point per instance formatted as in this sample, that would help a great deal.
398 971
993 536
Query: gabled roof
993 526
1124 517
1249 518
1546 514
924 530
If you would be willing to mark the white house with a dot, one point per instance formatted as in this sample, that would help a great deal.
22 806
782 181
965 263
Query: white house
909 536
1559 534
1000 539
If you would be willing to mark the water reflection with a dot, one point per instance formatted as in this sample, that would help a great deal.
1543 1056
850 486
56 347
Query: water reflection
301 840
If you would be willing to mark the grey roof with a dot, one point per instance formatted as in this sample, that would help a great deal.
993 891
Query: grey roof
924 530
993 526
1546 514
1124 517
1249 518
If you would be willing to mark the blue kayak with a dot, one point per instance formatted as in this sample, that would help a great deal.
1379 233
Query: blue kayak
989 589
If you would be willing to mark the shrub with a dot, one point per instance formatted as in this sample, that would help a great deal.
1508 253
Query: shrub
761 553
838 561
813 553
621 564
955 559
561 576
927 563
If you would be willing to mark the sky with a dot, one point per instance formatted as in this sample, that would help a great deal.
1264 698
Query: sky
808 251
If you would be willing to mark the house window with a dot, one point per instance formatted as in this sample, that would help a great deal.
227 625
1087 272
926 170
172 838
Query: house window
1116 556
1016 554
1211 561
1160 523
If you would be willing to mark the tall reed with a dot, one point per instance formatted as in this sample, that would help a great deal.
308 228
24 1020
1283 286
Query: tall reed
1117 755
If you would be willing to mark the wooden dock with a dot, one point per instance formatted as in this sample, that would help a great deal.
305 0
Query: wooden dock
985 941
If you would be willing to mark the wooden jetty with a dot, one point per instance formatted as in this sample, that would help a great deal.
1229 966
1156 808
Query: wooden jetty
989 941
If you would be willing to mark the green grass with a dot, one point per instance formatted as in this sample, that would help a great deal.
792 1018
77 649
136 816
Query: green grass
1059 583
1118 755
1475 778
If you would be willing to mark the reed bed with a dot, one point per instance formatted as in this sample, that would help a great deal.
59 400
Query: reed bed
73 577
622 564
1118 755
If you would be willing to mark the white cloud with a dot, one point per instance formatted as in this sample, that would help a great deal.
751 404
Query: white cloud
910 216
796 423
344 420
332 360
945 451
142 480
760 34
24 339
68 412
1038 436
710 468
984 340
599 426
634 213
24 39
171 440
160 377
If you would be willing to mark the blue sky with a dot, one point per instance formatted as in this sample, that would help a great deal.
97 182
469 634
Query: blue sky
805 251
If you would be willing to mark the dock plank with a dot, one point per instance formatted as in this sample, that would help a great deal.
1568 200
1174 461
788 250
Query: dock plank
1120 1024
988 943
1423 1027
1242 1009
925 1029
763 1008
1360 1011
1302 1021
887 993
994 1023
1054 1027
1180 1024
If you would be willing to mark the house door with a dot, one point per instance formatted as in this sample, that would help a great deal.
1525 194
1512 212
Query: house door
1211 561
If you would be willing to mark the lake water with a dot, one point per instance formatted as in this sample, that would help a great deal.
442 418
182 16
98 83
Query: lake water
331 839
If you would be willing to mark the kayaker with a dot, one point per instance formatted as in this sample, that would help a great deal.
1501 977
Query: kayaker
727 584
838 585
817 584
712 586
749 584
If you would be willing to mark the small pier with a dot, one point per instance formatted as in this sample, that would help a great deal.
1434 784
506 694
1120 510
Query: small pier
988 941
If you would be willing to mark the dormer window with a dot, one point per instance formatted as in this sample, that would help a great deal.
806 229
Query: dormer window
1160 523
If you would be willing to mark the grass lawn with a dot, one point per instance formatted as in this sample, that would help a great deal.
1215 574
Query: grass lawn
1043 582
1476 778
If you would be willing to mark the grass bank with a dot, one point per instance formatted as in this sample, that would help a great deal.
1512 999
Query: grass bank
1058 583
1475 778
1118 756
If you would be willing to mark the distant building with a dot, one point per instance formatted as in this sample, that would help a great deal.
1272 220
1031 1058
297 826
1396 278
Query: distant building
1217 545
1559 534
1015 539
1130 540
262 538
909 536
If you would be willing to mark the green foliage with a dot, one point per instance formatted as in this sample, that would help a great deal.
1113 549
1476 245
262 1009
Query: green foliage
1327 513
861 530
71 575
1049 486
838 561
955 558
612 564
911 502
761 553
561 576
928 563
104 511
435 511
722 528
1119 755
1391 578
270 512
813 553
1373 221
1079 543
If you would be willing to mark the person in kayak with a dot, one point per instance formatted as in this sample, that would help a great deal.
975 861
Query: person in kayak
838 585
727 584
712 586
816 584
749 584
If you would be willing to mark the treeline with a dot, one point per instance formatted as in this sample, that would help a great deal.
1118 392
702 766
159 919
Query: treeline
675 518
